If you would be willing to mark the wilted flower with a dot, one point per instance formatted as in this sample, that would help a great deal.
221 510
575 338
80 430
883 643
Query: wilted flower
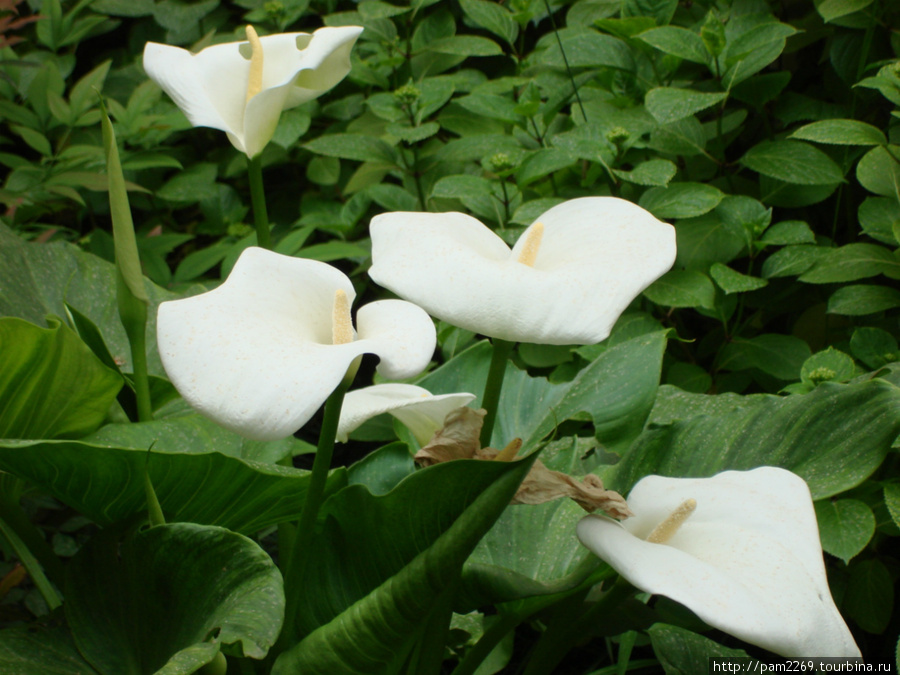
740 549
261 353
566 281
421 411
242 87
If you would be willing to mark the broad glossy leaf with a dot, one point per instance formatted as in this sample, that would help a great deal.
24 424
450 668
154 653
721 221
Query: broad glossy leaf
732 281
105 482
879 172
358 147
652 172
834 438
585 49
678 41
834 9
167 598
681 651
48 651
51 383
869 597
379 585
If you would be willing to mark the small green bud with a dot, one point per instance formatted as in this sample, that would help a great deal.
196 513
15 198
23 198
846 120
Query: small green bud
617 135
821 374
407 94
274 9
501 162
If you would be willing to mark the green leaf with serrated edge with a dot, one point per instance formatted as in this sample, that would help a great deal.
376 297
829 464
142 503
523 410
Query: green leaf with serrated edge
684 137
789 232
862 299
493 17
680 42
669 104
852 262
384 599
869 596
167 598
656 172
52 384
792 162
467 45
834 9
792 260
681 200
683 288
892 501
840 132
106 482
845 526
706 240
732 281
40 651
880 219
879 172
781 356
584 49
829 365
460 186
874 347
834 438
682 652
352 146
542 163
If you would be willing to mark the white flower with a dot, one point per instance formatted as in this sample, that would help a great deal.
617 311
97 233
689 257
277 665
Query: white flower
422 412
566 281
747 559
261 353
242 89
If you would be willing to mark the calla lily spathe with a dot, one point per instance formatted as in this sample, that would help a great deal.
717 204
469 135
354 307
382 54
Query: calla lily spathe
211 86
421 411
566 281
259 354
747 561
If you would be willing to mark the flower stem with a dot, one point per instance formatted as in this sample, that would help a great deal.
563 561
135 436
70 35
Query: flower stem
295 564
492 387
258 198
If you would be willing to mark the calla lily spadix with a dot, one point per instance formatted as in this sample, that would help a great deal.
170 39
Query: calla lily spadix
566 281
422 412
740 549
261 353
242 87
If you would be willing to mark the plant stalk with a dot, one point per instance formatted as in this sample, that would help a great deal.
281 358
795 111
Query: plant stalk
493 386
258 199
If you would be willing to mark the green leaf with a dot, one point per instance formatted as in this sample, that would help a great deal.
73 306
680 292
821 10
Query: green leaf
781 356
852 262
669 104
706 240
845 526
829 365
892 501
585 49
792 162
541 163
862 299
192 185
661 11
873 346
167 598
357 147
841 132
461 187
467 45
834 9
383 599
792 260
35 139
492 16
732 281
833 437
684 137
683 288
652 172
682 652
789 232
52 384
681 200
105 481
47 651
869 598
880 219
879 172
680 42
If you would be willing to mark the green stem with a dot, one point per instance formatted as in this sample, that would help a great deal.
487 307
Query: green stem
12 513
295 564
493 386
138 340
35 571
258 199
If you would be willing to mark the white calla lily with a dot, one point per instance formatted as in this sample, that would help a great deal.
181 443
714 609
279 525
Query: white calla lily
421 411
261 353
566 281
242 87
740 549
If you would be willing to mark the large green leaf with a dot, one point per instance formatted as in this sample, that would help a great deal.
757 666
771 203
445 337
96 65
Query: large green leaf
617 389
50 651
52 385
834 437
105 482
165 600
682 652
39 279
793 162
380 584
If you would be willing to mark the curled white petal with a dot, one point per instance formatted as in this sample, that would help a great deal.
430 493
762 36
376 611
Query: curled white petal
596 255
422 412
401 333
748 560
210 86
256 354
